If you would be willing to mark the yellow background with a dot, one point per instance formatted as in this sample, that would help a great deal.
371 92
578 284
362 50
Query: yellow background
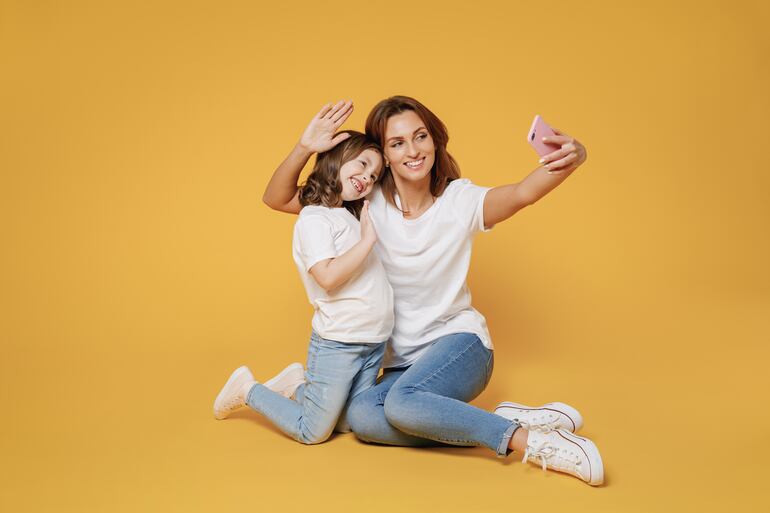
139 266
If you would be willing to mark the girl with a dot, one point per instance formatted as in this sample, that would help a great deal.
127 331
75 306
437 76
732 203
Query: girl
345 283
440 354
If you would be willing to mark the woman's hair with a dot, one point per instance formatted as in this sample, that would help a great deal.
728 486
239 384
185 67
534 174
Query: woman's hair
445 168
323 186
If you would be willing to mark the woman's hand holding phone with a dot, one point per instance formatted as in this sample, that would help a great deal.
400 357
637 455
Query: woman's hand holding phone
569 152
319 133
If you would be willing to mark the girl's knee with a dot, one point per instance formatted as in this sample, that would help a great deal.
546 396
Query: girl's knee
313 437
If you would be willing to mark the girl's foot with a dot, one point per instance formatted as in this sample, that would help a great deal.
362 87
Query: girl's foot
233 394
287 381
565 452
544 418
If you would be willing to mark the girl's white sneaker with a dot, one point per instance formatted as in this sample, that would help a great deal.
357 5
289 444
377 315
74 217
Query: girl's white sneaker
287 381
233 394
563 451
543 418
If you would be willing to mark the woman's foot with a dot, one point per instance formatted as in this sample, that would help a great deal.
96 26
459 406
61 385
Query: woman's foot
287 381
544 419
566 452
233 394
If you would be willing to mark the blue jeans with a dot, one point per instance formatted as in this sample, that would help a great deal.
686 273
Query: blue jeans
426 403
336 373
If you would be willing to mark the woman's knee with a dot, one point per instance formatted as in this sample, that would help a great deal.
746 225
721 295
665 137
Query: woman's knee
400 407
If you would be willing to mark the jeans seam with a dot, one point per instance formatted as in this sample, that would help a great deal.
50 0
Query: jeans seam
447 364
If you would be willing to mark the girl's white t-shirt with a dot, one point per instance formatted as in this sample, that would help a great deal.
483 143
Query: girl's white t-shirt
361 309
427 261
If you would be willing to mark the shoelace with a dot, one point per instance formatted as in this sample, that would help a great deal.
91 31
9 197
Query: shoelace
546 421
233 402
564 459
538 423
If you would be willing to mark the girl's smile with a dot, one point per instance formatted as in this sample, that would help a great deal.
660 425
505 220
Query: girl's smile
359 175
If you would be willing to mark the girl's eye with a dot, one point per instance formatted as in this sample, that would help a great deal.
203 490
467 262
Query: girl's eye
395 144
422 136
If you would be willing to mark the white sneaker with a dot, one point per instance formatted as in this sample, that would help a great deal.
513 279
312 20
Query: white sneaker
287 381
544 418
233 394
563 451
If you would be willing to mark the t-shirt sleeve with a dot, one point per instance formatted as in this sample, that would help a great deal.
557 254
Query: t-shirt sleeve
316 240
468 204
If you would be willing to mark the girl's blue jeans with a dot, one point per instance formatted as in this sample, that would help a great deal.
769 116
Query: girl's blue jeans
336 373
427 403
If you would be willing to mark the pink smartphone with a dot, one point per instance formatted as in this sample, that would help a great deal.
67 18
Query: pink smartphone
535 136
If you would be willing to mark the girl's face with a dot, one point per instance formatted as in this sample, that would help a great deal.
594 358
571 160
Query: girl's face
409 148
358 175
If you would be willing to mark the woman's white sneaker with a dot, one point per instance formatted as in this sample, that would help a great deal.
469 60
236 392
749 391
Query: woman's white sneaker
566 452
233 394
544 419
287 381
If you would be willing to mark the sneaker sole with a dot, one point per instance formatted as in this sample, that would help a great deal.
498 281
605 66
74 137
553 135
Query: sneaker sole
571 413
284 379
592 455
237 373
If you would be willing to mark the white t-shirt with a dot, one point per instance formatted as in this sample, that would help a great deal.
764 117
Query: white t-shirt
427 262
361 309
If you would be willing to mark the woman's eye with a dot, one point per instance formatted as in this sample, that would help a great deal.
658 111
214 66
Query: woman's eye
396 144
422 136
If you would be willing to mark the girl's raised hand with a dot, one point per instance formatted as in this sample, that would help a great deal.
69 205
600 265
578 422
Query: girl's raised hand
566 159
319 134
367 228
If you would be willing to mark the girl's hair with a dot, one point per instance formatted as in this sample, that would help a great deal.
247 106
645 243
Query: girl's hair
445 168
323 186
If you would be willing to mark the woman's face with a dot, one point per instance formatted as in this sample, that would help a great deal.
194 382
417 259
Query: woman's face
358 175
409 148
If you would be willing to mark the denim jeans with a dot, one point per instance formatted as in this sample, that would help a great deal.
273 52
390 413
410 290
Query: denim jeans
336 373
426 403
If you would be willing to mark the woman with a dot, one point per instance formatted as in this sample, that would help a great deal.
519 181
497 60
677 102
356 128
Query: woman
440 354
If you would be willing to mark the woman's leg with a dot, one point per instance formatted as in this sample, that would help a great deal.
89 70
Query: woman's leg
331 369
366 415
429 400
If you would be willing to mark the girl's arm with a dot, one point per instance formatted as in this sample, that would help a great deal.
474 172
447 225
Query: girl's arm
333 272
282 192
502 202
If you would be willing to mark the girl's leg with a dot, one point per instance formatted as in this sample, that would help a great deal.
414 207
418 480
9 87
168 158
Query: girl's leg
331 369
364 380
429 400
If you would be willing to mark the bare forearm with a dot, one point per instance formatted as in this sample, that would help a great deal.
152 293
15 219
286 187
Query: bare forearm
331 274
281 191
502 202
539 183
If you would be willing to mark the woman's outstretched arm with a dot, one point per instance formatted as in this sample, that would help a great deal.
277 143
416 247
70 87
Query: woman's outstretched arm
282 192
502 202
